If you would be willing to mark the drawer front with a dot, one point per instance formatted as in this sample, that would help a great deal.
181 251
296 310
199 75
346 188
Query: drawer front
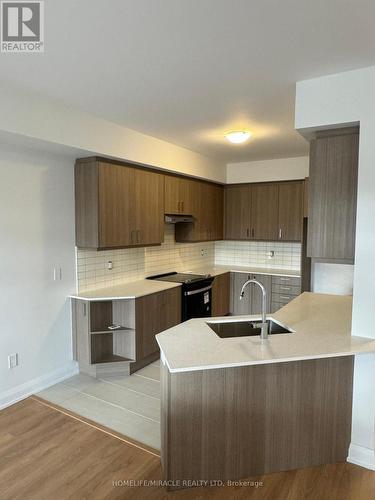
282 298
286 280
275 306
286 289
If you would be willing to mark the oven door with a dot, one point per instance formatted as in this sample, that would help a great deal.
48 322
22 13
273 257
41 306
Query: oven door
197 299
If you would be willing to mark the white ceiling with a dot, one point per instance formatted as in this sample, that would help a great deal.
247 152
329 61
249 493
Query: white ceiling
186 71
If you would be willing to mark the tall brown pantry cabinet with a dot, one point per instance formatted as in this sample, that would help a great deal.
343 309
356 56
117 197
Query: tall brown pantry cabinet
333 194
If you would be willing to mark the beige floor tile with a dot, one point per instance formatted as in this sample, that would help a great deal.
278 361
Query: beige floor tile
134 426
150 371
139 384
57 393
121 396
81 381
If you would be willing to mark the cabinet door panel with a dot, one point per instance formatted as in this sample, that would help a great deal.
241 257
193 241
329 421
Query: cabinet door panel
170 308
148 207
333 197
256 293
188 196
180 195
264 211
210 216
221 295
206 205
172 194
218 213
116 200
290 211
153 314
240 306
237 212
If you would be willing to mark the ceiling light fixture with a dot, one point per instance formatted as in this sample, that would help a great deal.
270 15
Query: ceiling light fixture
238 136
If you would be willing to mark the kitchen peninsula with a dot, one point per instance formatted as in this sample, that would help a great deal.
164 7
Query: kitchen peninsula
239 406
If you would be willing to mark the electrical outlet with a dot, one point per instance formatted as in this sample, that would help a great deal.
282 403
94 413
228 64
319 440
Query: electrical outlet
57 274
12 360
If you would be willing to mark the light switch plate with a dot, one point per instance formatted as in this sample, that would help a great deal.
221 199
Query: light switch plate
12 360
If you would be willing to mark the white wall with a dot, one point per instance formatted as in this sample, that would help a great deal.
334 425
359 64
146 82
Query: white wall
43 119
347 98
37 233
332 278
283 169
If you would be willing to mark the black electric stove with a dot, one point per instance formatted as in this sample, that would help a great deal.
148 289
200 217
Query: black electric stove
196 292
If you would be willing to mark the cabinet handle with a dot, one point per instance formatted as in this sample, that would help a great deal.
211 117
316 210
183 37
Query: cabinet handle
284 297
284 279
182 206
132 236
285 288
138 236
280 233
252 232
84 309
247 232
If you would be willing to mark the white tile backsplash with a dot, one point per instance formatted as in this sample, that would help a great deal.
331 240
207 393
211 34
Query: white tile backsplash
256 253
131 264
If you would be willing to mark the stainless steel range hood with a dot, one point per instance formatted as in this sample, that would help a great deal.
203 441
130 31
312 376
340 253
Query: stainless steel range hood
175 219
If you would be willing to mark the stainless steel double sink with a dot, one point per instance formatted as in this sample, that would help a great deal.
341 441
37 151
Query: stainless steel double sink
227 329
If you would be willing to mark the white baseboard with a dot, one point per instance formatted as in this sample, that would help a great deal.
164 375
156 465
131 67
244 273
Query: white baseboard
23 391
359 455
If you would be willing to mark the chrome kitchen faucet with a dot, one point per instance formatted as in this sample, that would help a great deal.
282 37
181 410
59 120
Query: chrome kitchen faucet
263 325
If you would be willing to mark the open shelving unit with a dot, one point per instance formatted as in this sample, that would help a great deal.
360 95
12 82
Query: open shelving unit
104 337
112 331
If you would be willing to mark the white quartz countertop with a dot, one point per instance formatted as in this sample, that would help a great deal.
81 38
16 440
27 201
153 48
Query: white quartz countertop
130 290
321 324
220 269
143 287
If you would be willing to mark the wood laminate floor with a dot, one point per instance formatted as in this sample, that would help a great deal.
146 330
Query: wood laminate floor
48 454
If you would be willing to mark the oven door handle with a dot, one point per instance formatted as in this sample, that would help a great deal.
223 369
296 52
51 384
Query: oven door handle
194 292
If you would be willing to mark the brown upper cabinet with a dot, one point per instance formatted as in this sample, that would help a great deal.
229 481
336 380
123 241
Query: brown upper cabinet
263 214
333 194
266 211
237 212
117 205
180 195
290 211
208 207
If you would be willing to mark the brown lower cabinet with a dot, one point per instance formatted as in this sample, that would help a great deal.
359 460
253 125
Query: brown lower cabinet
252 300
239 422
221 295
153 314
101 350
